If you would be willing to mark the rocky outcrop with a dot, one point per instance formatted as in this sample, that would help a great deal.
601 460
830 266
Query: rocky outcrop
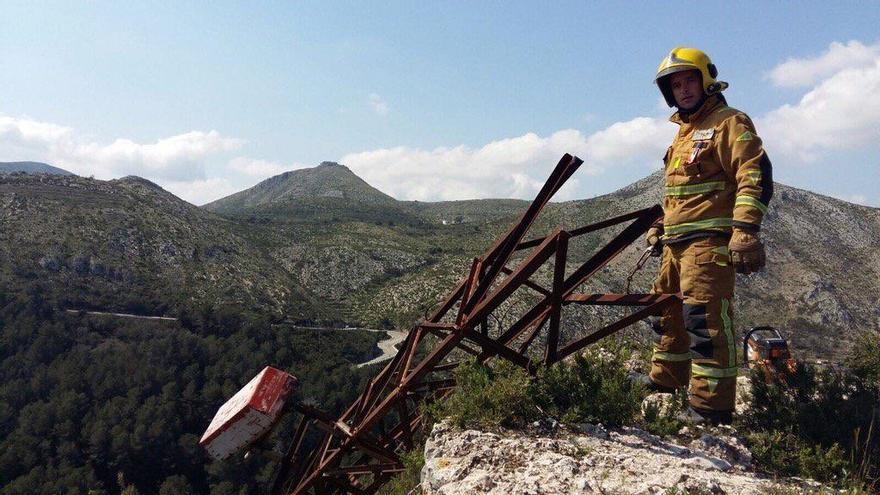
591 460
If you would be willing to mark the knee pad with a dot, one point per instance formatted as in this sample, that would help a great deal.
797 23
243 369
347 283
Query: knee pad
656 325
696 324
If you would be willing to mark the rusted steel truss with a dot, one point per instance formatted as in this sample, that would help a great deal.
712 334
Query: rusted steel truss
360 450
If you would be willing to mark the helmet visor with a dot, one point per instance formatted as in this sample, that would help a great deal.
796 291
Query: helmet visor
675 68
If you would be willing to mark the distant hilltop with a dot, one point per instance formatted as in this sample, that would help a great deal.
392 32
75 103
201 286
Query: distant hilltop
31 168
327 180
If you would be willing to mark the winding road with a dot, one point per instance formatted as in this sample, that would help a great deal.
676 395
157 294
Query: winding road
388 346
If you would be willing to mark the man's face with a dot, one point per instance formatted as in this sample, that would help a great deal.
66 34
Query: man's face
687 88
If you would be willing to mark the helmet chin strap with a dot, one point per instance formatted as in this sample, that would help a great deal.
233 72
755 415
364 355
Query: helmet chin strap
717 87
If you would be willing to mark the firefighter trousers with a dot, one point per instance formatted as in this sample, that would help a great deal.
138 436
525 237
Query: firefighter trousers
694 344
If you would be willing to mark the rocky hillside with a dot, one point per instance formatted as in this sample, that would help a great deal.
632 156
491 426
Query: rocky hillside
370 259
31 168
822 281
129 245
821 284
390 266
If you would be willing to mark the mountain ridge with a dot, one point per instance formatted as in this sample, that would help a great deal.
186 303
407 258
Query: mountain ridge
30 167
327 180
127 244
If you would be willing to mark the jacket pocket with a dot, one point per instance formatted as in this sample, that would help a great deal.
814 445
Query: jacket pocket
701 161
706 254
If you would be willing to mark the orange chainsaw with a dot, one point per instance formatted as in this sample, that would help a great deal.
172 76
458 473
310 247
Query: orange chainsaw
766 349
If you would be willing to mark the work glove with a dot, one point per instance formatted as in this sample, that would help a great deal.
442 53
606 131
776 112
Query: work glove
746 251
652 240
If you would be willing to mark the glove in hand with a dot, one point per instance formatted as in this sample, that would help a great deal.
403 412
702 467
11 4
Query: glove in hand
652 237
746 252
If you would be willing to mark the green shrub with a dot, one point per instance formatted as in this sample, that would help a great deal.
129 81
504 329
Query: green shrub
665 421
498 394
406 482
818 424
786 454
594 387
865 359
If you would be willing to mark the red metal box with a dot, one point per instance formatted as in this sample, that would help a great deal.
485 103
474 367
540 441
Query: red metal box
249 414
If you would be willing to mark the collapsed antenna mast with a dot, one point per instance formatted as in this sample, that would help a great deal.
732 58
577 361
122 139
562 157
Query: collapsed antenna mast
360 450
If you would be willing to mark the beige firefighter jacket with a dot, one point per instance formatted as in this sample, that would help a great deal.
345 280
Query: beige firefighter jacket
717 173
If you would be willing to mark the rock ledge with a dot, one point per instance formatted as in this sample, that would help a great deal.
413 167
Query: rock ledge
591 460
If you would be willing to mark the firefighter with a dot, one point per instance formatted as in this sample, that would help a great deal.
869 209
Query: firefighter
718 186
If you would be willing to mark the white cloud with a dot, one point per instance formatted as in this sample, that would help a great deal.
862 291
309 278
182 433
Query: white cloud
175 158
261 169
378 104
512 167
199 192
841 113
860 199
838 112
661 105
642 138
796 72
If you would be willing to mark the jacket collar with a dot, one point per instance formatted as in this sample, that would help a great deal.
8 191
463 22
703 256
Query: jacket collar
709 105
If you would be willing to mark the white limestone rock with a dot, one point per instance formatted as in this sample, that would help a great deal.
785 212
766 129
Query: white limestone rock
591 460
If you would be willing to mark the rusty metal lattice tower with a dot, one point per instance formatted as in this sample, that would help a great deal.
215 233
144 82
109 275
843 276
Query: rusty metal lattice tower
360 450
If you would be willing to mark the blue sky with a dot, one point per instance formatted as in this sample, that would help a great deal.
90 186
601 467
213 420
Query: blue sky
427 100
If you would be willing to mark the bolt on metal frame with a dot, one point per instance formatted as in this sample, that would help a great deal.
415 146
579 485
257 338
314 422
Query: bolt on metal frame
360 450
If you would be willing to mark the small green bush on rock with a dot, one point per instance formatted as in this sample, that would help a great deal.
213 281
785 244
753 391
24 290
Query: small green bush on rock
407 482
488 395
665 419
594 387
786 454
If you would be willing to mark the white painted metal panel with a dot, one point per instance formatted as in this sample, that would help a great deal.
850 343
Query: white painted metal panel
249 414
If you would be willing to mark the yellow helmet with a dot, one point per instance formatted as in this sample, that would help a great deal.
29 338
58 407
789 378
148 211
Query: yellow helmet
682 58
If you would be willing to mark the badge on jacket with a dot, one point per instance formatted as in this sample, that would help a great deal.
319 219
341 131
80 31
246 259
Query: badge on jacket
703 134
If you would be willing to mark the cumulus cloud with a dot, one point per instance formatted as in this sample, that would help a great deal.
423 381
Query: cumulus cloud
378 104
175 158
260 169
840 113
797 72
199 192
513 167
177 162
